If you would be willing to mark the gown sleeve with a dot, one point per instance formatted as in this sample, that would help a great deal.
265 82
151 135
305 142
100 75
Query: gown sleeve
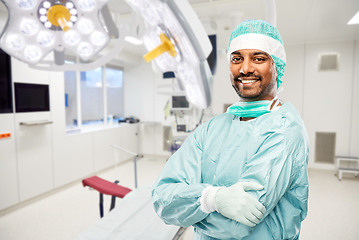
177 191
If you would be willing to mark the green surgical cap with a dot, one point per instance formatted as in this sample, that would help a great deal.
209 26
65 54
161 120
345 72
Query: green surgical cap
258 34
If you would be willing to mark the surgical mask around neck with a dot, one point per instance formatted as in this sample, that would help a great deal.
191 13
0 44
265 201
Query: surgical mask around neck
252 109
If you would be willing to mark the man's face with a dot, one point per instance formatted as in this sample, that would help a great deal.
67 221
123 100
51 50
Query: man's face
253 75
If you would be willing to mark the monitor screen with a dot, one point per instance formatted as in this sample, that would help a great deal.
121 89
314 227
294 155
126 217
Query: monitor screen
31 97
5 83
179 102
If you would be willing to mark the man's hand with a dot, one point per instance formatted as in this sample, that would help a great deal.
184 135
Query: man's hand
235 203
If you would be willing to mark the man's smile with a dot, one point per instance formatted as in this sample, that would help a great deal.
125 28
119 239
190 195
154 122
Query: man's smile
248 80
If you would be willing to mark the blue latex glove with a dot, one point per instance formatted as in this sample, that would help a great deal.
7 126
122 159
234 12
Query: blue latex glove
235 203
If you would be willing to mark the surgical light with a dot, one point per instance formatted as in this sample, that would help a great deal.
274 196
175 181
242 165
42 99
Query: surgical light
354 20
37 27
178 42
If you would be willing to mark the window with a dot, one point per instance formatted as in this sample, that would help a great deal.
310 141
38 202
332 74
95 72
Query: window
71 99
115 92
92 97
88 102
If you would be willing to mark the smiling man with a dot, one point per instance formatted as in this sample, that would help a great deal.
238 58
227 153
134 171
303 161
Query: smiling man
243 174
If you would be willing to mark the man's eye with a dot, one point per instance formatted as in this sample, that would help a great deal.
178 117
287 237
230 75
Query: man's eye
259 59
236 59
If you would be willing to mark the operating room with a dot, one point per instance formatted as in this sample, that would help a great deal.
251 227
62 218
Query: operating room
122 111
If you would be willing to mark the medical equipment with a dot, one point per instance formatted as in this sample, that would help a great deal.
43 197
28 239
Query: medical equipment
340 169
257 34
179 43
179 103
37 27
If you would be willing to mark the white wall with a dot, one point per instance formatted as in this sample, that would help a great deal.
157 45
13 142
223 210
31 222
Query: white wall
293 79
354 128
8 163
328 96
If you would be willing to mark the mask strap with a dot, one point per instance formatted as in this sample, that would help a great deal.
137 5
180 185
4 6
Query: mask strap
276 103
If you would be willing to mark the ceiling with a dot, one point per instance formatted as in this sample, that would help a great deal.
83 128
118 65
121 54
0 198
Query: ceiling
298 21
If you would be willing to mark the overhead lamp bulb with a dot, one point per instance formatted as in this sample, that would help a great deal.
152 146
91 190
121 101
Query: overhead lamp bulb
42 11
46 4
87 5
69 5
45 38
29 26
73 18
85 26
73 11
48 24
98 38
43 19
33 53
72 38
15 42
85 49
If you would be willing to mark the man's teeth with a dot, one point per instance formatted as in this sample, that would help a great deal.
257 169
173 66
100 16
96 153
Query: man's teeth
248 81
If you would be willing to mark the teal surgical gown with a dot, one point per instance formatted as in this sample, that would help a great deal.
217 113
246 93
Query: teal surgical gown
271 150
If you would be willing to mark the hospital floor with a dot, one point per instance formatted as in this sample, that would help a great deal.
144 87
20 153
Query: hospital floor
66 212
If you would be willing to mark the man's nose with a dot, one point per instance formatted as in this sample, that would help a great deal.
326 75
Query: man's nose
246 67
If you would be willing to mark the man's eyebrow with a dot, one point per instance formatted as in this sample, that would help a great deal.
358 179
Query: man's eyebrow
260 53
236 52
254 54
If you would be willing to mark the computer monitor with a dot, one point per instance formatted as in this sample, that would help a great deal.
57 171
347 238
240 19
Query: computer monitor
180 103
31 97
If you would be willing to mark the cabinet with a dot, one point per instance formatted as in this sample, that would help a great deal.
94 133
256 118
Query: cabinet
34 155
8 167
